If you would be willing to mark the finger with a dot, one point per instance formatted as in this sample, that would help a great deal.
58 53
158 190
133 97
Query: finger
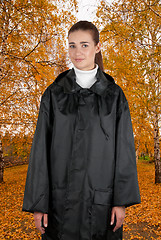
112 217
119 222
116 228
39 226
38 221
42 230
45 219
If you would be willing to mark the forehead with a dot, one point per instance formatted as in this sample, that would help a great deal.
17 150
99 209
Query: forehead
80 36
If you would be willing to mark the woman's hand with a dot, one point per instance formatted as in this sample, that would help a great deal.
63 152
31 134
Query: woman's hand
37 218
119 212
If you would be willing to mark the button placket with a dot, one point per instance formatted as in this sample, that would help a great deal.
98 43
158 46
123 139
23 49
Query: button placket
82 110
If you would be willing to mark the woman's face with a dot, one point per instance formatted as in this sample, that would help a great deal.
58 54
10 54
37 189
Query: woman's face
82 49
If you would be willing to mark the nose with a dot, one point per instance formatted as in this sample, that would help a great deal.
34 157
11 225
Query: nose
77 51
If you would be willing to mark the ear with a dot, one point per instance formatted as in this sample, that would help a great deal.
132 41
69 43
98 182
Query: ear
98 47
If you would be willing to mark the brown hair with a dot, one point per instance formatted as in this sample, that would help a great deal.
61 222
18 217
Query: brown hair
89 26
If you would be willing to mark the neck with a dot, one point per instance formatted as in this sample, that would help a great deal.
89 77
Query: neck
86 78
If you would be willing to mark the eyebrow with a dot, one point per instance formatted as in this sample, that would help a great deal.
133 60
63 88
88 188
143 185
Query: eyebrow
80 42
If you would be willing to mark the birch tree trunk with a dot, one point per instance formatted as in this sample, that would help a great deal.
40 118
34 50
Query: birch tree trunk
137 152
157 151
1 162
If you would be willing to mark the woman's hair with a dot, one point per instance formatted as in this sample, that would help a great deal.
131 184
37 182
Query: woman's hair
89 26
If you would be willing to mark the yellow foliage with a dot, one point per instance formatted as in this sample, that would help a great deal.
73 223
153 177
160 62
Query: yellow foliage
130 43
15 224
140 219
33 54
38 77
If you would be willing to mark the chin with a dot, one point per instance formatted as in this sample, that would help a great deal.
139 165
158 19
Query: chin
80 66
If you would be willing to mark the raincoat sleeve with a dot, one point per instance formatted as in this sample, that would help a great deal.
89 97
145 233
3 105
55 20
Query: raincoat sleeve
36 192
126 189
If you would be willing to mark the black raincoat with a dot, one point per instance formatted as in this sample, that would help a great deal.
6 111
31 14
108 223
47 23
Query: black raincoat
82 160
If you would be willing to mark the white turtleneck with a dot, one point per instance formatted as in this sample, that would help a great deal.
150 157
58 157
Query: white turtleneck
86 78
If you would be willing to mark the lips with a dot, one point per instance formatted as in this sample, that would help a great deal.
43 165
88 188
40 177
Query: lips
78 60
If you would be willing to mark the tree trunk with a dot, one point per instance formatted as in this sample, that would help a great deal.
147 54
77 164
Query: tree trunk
1 162
157 152
137 152
156 113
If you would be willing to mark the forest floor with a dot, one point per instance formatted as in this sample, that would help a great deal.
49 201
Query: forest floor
142 221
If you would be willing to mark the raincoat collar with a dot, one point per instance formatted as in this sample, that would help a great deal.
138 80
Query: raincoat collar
67 81
71 86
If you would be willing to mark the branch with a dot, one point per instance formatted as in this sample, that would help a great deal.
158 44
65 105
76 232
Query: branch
129 26
22 59
8 97
149 7
32 49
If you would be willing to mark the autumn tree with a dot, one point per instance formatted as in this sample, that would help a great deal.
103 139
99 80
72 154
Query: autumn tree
32 53
1 162
131 48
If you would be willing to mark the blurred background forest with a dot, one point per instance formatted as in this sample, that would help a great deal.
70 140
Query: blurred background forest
33 51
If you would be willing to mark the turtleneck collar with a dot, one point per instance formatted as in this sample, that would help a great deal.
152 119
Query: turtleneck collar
67 80
86 78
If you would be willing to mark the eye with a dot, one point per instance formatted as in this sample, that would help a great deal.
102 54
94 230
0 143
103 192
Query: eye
84 45
72 46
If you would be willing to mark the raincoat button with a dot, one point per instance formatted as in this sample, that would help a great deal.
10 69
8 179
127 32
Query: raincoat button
81 101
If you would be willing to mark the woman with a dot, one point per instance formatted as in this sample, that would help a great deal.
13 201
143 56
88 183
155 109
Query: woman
82 170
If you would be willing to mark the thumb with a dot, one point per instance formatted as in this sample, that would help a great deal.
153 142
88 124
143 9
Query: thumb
45 219
112 217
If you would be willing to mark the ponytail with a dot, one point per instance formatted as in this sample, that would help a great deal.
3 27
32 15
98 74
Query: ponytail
99 60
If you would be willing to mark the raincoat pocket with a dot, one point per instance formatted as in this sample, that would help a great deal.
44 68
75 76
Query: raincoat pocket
100 213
